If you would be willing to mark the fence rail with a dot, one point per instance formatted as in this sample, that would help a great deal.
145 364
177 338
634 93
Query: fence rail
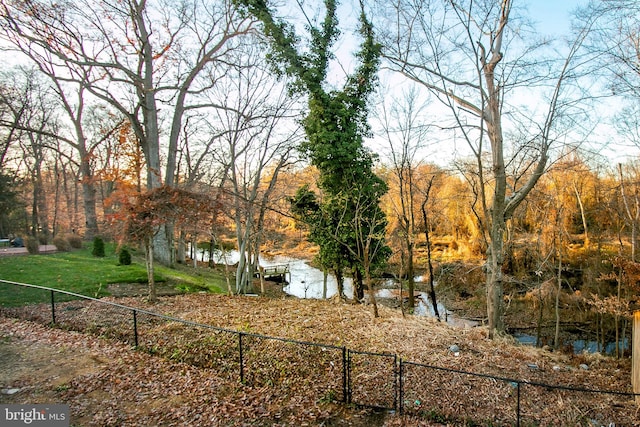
376 380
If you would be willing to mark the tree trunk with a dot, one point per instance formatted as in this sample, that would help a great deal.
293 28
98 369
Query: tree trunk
241 272
212 248
194 248
181 250
583 216
339 282
410 275
69 200
495 309
540 312
556 340
427 234
163 242
432 285
358 287
89 199
227 271
261 269
324 283
150 275
372 294
366 264
617 316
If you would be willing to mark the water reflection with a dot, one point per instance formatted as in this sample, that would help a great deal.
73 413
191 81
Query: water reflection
306 281
579 345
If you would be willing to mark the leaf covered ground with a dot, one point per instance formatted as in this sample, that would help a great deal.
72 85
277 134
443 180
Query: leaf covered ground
189 377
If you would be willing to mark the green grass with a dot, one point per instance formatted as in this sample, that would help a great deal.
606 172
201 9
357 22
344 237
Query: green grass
82 273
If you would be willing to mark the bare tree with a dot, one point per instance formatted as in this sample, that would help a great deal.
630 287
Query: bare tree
11 115
427 235
616 41
631 205
474 57
150 60
257 137
406 132
33 106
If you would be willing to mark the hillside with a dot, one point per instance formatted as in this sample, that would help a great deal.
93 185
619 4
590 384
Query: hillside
106 382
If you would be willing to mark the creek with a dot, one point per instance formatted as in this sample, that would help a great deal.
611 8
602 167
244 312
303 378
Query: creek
306 281
578 345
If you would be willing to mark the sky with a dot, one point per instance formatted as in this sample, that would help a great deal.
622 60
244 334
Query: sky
553 16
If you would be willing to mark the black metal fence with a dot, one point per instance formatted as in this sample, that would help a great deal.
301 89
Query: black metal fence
377 380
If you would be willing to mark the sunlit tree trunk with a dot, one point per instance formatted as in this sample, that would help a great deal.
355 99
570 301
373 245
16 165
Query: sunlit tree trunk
148 252
583 215
632 213
369 281
556 339
324 283
427 235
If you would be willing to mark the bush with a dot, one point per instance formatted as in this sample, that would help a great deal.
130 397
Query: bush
75 241
124 256
61 244
33 245
98 247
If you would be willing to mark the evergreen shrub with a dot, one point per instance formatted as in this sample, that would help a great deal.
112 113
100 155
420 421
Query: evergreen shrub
124 256
98 247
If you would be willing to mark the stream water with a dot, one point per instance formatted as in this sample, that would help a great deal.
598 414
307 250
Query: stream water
578 345
306 281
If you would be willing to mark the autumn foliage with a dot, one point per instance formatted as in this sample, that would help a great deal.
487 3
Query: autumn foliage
165 204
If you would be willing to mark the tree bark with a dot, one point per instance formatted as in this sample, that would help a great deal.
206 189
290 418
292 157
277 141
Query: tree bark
556 340
339 281
150 272
427 234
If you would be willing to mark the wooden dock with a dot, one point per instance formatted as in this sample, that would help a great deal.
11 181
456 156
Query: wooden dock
279 273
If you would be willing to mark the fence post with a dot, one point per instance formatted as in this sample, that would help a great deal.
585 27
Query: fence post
135 327
345 387
396 384
53 309
400 405
518 405
240 335
635 357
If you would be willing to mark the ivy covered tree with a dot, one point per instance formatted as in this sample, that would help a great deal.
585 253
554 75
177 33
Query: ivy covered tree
335 128
332 256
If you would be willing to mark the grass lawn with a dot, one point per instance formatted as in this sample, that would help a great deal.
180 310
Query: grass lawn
82 273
